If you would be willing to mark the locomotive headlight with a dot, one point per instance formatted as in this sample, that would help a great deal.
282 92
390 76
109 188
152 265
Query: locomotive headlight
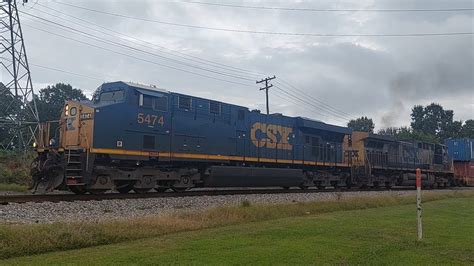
66 109
52 142
35 145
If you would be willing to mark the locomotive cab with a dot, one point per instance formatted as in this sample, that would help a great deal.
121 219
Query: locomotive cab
78 126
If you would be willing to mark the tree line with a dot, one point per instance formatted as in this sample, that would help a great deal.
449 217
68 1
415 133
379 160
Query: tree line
431 123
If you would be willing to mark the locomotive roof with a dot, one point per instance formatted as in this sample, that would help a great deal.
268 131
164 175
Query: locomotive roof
310 124
146 87
303 122
381 137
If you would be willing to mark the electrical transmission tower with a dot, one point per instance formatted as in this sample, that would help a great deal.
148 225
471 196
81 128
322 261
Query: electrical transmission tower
18 113
266 80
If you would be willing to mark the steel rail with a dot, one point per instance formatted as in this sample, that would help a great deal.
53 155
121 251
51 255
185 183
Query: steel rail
24 198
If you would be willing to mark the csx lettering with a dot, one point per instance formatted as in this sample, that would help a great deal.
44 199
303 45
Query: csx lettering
151 120
276 136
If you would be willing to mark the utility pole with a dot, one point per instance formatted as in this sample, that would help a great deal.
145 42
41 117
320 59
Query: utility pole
18 113
267 86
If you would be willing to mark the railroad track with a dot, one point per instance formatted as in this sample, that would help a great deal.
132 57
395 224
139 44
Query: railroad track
24 198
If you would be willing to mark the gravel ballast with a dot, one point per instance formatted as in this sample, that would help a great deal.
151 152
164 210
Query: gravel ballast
48 212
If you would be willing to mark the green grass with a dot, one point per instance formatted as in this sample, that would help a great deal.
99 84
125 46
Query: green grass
15 167
385 235
13 187
20 240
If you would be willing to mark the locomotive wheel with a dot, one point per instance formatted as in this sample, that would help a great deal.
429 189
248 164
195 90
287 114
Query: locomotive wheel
124 189
286 188
388 185
376 184
161 189
304 187
348 185
78 190
141 190
321 187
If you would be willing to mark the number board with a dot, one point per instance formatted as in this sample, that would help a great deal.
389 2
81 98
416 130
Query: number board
150 120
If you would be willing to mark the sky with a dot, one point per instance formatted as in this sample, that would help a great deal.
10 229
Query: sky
331 79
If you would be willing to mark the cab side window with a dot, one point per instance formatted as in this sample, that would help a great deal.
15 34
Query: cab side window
111 96
156 103
147 101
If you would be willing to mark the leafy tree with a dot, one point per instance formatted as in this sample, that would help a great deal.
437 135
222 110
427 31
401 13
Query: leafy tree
11 109
433 120
96 94
5 99
362 124
51 100
453 130
421 136
7 108
417 117
467 130
407 133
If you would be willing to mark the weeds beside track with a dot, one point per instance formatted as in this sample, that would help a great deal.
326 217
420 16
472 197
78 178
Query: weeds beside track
20 240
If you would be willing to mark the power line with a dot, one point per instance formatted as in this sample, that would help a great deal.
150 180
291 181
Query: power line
67 72
307 102
120 35
135 57
304 107
136 49
58 70
113 43
286 99
327 9
327 110
269 32
306 95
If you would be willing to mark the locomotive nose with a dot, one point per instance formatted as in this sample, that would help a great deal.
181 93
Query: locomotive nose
60 148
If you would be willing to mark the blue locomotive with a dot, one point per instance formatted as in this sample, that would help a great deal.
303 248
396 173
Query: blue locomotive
136 137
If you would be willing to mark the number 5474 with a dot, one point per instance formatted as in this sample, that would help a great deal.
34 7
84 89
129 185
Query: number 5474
151 120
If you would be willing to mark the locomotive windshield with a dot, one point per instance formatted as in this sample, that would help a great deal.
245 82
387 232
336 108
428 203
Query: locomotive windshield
111 96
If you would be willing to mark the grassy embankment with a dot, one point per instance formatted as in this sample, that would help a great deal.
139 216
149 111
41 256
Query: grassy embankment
15 171
373 236
352 229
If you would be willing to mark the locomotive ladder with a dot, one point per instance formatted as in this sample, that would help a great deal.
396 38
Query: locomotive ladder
73 165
